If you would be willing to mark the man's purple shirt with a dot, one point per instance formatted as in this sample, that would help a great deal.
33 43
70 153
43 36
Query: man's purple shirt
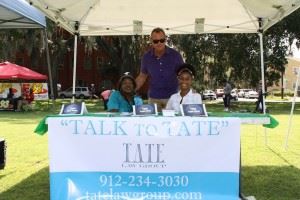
162 72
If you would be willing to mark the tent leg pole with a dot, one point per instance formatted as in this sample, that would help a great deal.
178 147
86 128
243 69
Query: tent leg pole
262 70
49 70
292 111
74 68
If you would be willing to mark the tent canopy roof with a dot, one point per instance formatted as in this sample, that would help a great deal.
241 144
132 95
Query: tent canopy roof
19 14
130 17
10 71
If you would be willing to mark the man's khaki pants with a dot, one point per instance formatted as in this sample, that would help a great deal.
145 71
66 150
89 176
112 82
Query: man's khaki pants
161 103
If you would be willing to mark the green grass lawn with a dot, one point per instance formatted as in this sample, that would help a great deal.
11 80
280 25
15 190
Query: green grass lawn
269 172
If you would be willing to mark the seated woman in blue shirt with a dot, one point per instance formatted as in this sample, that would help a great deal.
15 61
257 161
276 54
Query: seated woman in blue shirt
124 98
186 94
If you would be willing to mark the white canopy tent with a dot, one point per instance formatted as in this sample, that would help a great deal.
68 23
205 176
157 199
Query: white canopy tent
130 17
19 14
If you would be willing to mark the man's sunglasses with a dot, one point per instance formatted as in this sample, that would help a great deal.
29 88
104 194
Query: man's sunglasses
157 41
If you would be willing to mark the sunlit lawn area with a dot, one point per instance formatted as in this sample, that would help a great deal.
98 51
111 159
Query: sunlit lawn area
269 172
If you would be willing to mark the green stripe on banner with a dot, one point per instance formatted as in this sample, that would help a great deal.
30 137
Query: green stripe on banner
274 123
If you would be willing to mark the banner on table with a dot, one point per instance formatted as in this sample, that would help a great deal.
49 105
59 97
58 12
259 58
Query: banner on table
145 158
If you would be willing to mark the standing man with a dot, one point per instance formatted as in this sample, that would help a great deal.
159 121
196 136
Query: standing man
227 95
160 64
93 91
259 103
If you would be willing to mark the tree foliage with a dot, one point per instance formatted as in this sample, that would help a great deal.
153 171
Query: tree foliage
215 56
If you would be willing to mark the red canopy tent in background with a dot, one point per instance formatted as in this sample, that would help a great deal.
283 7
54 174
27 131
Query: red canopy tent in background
10 71
20 79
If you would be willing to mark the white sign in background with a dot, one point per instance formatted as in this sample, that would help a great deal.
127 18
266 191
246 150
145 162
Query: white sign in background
144 145
40 90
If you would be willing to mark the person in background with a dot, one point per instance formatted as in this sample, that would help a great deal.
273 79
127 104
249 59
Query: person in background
93 91
105 96
186 94
124 98
160 64
27 99
10 93
259 103
227 95
12 100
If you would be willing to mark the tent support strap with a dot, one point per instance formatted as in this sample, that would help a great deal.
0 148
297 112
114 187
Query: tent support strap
262 69
292 110
49 70
76 26
74 68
